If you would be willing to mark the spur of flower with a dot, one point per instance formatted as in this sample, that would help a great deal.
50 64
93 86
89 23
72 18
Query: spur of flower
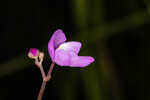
66 53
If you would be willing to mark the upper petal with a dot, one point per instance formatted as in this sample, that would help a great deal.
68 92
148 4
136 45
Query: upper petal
57 38
72 46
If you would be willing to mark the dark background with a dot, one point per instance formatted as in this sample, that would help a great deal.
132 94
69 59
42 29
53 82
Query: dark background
114 32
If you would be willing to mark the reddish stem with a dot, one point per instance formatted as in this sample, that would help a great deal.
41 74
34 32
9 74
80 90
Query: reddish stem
41 92
45 78
42 72
50 69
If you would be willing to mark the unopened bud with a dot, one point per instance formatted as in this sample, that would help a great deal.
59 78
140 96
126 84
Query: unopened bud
33 53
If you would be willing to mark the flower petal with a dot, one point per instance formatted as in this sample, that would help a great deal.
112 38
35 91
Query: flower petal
57 38
71 46
80 61
65 58
62 57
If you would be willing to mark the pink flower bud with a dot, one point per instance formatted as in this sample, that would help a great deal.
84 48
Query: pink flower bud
33 53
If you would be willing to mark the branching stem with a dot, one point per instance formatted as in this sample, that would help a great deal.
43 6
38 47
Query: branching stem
45 78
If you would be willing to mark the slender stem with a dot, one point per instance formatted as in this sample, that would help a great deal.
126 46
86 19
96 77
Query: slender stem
41 92
45 78
50 69
42 72
41 68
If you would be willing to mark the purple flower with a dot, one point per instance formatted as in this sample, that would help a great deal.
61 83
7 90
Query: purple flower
66 53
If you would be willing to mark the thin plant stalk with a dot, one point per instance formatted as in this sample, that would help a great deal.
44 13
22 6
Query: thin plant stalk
45 77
